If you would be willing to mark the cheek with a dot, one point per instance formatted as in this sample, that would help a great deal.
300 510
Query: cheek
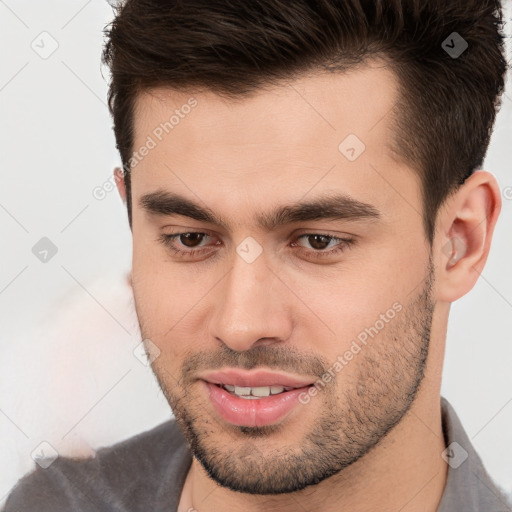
352 301
159 316
153 291
169 299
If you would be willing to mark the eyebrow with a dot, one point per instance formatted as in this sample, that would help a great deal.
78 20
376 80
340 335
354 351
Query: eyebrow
325 207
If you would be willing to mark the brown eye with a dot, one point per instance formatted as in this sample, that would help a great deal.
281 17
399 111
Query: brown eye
190 239
319 242
189 244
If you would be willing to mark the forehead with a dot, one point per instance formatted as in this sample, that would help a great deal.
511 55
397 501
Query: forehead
282 140
352 101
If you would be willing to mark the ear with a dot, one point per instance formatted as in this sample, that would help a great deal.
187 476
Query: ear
119 179
463 238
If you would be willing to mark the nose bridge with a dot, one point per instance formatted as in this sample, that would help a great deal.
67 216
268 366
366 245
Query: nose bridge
250 304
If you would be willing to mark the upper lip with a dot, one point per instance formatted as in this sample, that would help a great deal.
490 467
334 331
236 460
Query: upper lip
253 379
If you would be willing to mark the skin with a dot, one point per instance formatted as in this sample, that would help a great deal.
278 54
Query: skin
372 438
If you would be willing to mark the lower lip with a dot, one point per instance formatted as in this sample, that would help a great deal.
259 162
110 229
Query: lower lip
253 412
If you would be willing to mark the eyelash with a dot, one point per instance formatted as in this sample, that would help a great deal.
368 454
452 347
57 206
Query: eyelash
168 240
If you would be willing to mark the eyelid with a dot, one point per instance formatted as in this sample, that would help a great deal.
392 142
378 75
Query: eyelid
294 234
342 245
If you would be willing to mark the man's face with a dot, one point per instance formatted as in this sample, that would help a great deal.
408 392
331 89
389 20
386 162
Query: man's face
269 297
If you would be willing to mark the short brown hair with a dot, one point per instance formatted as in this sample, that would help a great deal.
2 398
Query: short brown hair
447 107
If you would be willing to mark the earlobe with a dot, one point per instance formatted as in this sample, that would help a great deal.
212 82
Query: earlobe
119 179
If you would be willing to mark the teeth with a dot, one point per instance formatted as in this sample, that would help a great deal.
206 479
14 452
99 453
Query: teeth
256 392
242 391
263 391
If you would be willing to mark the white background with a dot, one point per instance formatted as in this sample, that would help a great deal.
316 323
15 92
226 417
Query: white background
68 328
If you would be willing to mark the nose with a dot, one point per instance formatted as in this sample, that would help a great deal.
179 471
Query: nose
253 306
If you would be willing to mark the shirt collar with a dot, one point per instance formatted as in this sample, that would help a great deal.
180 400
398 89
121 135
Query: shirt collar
468 486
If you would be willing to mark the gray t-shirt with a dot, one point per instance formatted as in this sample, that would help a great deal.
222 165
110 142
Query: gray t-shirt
147 472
